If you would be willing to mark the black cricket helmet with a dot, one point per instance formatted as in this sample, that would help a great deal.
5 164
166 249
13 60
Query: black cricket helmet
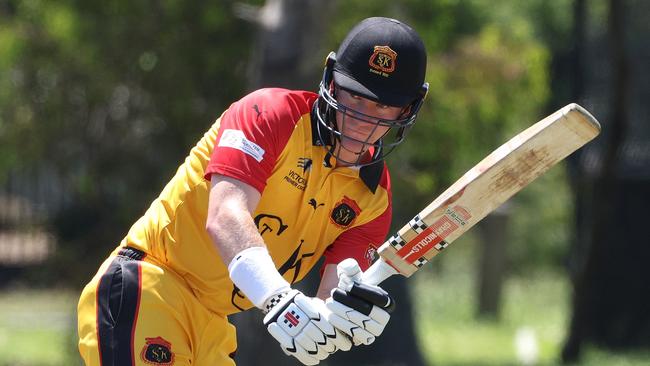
381 59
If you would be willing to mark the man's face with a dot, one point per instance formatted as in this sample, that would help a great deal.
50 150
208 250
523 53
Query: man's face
358 132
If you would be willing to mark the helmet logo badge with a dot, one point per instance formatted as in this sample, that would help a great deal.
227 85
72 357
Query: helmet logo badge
382 61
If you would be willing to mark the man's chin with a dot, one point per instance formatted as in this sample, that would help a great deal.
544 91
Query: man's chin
351 158
353 149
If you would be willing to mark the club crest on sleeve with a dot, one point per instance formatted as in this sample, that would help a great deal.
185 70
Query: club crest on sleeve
345 212
157 351
371 254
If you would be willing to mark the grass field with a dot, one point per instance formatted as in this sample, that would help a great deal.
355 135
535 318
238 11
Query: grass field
529 331
37 328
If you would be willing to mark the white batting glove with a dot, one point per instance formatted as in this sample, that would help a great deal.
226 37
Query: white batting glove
300 324
360 310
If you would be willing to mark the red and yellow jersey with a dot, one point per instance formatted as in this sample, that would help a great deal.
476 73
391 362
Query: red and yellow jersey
308 208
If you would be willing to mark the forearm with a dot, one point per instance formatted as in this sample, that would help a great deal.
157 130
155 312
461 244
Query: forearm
229 242
230 224
235 236
328 281
297 322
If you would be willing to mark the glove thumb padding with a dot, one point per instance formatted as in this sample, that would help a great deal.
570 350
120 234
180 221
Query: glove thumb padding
360 310
348 272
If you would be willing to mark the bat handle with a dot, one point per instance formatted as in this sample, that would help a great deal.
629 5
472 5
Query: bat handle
378 272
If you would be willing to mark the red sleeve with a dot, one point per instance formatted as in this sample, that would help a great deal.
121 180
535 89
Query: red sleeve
361 242
253 132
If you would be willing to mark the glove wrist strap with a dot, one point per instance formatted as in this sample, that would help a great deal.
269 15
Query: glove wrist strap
252 270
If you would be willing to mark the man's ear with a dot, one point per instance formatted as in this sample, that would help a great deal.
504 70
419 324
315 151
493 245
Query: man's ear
333 89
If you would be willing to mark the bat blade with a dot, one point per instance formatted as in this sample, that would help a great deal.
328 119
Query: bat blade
486 186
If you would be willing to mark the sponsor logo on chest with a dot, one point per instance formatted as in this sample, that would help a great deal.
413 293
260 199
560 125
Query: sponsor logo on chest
297 177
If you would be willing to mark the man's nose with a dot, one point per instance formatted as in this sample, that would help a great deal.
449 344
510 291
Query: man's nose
363 110
363 113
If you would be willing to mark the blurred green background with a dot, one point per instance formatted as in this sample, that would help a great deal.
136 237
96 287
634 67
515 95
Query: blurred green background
100 101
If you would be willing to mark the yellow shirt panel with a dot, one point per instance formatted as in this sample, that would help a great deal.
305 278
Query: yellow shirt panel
304 207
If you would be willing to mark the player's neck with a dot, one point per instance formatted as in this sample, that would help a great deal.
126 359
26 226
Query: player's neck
350 160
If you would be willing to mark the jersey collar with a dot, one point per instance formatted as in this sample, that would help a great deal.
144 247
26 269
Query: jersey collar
369 174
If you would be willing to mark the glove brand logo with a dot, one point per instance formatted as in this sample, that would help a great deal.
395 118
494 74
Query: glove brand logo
157 351
382 60
291 319
345 212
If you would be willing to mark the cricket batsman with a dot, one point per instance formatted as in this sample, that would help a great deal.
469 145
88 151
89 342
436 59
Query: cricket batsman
282 178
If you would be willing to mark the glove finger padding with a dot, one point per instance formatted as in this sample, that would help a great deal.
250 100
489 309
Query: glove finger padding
374 322
341 317
290 347
315 342
322 333
374 295
301 326
374 311
342 341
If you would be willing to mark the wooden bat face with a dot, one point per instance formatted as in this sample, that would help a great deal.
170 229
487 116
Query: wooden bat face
487 185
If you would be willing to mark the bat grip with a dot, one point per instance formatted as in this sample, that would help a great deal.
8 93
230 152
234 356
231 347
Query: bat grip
378 272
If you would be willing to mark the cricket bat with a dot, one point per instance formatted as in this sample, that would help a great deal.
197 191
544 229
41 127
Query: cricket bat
491 182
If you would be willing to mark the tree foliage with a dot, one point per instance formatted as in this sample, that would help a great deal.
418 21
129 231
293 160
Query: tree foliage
489 79
113 94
